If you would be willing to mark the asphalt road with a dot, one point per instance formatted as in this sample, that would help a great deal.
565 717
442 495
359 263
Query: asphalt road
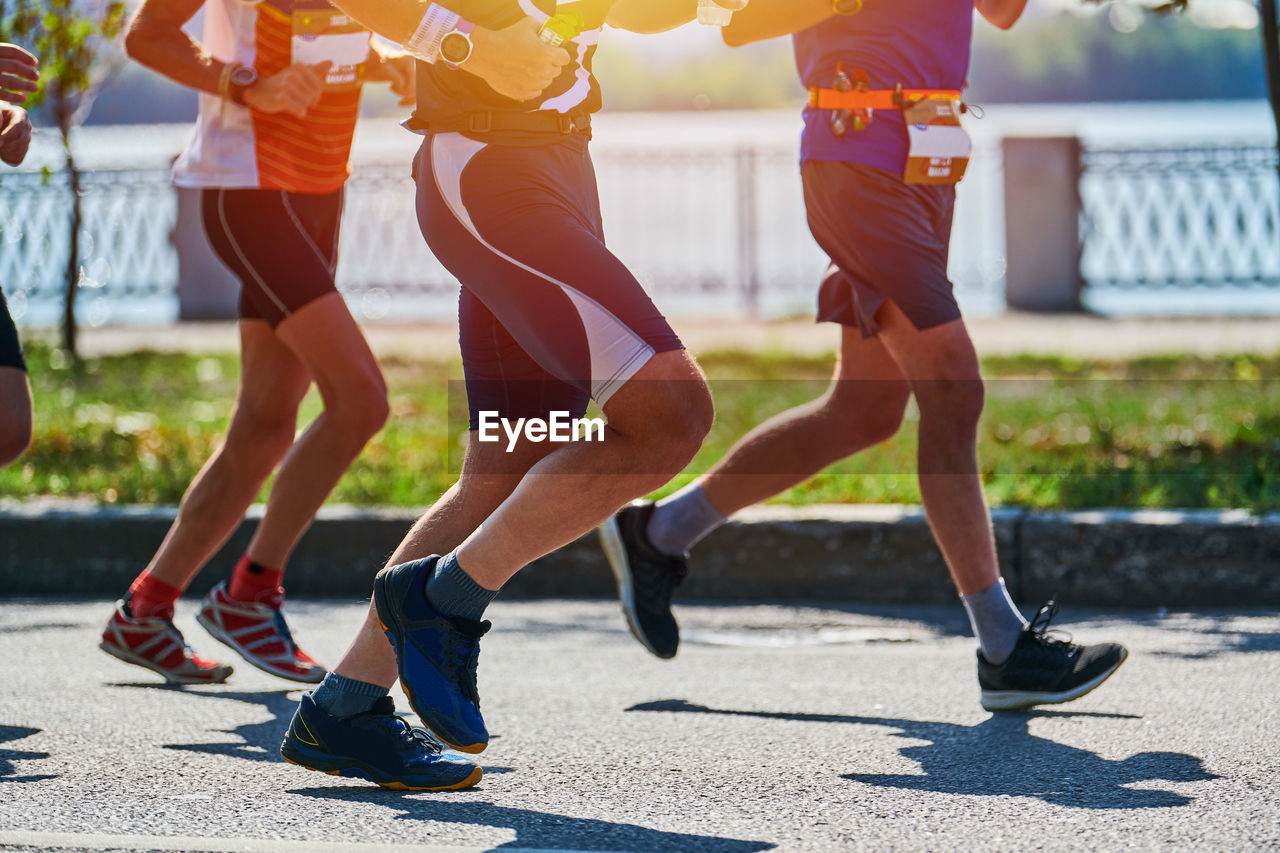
832 728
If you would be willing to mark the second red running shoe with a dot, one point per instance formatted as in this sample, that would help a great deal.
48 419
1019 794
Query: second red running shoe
258 633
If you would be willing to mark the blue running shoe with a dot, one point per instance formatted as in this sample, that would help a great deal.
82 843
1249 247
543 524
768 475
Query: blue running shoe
376 745
436 655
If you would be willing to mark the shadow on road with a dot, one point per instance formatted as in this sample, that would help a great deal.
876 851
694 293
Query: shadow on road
1220 633
999 757
256 741
8 773
535 829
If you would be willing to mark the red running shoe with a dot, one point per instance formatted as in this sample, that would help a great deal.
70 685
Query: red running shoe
156 644
258 633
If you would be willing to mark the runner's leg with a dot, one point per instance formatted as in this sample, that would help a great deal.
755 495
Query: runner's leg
862 407
656 423
15 402
262 429
15 391
326 340
442 529
942 367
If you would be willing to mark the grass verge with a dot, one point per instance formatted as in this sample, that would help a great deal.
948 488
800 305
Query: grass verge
1057 433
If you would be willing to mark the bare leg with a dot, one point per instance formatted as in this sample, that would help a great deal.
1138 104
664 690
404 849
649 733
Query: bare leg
261 432
862 407
15 402
326 339
945 378
462 508
656 423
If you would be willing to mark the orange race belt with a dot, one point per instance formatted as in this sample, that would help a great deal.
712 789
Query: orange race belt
939 146
877 99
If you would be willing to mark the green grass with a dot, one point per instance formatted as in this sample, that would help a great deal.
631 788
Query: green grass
1058 433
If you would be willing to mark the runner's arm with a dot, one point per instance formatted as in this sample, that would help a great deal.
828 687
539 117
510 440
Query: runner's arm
513 61
156 39
658 16
768 19
1003 13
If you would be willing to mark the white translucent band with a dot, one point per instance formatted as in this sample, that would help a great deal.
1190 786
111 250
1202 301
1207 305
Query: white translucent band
437 23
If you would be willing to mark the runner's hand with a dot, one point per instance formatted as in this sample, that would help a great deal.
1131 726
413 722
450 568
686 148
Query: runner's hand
515 62
15 134
18 74
398 69
293 90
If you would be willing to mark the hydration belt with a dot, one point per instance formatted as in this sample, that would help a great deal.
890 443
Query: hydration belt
877 99
939 146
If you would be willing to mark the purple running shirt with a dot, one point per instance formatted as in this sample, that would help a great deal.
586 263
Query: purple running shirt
922 44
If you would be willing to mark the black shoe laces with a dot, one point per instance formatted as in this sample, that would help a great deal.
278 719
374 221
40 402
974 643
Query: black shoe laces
1056 641
418 738
464 654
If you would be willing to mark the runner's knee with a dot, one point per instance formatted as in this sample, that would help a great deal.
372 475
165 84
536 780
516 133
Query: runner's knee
680 424
361 411
958 402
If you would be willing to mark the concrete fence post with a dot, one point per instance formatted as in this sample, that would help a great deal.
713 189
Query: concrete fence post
206 288
1042 223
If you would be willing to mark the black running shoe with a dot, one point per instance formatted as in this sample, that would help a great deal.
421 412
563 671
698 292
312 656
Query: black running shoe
376 745
1044 669
646 579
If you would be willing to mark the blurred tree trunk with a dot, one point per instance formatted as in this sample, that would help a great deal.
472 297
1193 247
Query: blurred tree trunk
1271 47
64 109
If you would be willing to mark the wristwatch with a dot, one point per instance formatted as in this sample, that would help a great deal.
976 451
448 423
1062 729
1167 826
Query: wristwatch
456 46
241 78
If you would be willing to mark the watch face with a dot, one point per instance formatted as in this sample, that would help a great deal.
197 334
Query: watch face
455 49
244 76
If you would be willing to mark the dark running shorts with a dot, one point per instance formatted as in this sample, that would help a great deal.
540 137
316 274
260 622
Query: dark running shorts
549 318
282 246
10 347
888 241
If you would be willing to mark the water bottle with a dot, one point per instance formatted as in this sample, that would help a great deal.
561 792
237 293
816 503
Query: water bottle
712 14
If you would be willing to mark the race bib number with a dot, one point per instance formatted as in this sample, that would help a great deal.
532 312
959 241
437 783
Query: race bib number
940 146
327 35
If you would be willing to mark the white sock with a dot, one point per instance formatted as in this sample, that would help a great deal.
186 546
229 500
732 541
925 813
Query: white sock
996 621
681 521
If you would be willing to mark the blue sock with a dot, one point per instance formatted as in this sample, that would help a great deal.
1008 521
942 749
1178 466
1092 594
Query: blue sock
454 594
339 696
680 521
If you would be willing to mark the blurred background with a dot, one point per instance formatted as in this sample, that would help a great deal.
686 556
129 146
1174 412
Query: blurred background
1116 251
1170 193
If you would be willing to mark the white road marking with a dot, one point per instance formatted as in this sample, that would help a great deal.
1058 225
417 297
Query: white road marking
184 844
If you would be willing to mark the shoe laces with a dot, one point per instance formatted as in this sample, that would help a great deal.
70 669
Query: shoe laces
415 736
464 653
282 628
1039 629
182 641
